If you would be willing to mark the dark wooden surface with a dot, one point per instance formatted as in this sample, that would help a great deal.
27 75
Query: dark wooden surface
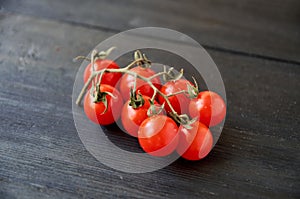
254 43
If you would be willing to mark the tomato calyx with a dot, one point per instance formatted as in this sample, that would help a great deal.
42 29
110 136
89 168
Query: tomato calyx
193 91
103 54
144 61
184 120
169 75
96 55
155 109
100 97
136 100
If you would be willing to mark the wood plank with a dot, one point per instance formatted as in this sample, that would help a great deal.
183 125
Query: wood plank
41 154
255 28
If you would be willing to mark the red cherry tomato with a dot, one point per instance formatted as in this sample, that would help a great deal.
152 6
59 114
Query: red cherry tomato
209 107
195 143
133 117
127 82
107 78
158 135
95 111
180 102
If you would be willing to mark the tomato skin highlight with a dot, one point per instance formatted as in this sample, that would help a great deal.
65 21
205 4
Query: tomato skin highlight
127 82
195 143
108 78
94 110
132 118
158 135
180 102
209 107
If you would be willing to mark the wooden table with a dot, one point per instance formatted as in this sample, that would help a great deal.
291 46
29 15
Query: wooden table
256 45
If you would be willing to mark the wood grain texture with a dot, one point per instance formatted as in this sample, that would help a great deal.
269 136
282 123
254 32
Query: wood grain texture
41 155
255 28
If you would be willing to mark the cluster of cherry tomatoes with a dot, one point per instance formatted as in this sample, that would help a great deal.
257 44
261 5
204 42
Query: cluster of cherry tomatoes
158 134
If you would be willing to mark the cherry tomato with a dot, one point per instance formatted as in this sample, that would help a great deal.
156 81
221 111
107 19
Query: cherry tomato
95 111
127 82
195 143
107 78
158 135
209 107
133 117
180 102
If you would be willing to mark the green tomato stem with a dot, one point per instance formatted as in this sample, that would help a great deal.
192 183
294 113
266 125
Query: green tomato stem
138 59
